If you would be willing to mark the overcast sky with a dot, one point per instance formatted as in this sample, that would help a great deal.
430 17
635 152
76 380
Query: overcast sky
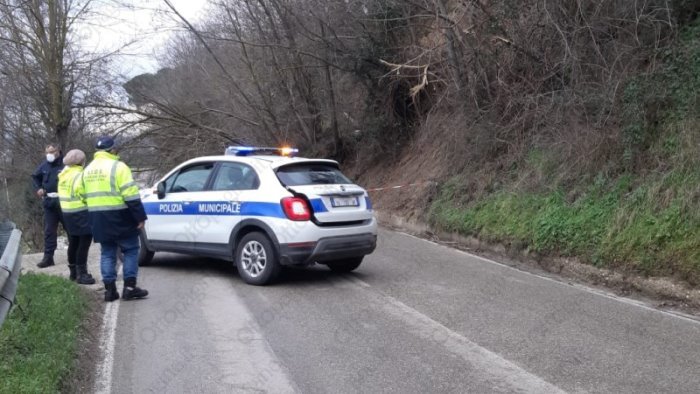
148 22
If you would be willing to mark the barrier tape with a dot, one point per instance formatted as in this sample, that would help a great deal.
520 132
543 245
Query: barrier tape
401 186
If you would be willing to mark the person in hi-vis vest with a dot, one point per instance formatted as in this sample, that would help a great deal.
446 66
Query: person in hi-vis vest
116 217
75 216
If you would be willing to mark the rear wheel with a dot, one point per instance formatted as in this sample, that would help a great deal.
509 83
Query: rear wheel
145 256
345 265
256 259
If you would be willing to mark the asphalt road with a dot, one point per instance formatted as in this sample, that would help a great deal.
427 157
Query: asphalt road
415 317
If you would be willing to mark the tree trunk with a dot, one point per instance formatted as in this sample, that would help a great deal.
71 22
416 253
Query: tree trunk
454 57
337 140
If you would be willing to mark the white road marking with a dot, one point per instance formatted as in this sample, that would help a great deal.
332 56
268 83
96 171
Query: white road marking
629 301
247 362
486 367
103 380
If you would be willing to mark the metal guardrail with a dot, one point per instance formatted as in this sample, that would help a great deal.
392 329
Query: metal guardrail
10 262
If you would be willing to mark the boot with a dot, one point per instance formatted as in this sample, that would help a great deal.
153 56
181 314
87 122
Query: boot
131 291
73 272
84 277
47 261
111 292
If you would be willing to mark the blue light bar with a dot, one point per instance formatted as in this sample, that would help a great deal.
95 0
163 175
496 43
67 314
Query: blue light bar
252 150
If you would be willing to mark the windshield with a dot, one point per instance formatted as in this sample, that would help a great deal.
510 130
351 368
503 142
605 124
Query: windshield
311 174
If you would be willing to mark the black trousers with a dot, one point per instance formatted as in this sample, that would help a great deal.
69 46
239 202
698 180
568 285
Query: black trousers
78 248
52 216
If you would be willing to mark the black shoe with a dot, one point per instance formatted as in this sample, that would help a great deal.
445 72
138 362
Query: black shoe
84 278
73 272
47 261
111 292
131 291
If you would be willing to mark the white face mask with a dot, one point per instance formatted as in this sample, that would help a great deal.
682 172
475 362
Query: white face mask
50 157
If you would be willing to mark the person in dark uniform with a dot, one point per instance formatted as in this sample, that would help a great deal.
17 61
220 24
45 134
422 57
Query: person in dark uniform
45 180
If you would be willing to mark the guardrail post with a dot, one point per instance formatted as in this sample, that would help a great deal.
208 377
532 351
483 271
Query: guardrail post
10 263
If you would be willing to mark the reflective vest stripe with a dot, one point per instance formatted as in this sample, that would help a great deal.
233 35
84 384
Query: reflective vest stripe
113 177
97 208
127 185
73 210
102 194
72 186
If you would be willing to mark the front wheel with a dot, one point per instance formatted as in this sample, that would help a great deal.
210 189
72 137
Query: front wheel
345 265
256 259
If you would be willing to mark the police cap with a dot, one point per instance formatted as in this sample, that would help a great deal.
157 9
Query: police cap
105 143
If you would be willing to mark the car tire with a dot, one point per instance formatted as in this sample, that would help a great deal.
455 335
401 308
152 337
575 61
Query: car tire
145 256
345 265
256 259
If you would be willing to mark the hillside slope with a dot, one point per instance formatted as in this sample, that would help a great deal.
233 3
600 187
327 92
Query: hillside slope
629 201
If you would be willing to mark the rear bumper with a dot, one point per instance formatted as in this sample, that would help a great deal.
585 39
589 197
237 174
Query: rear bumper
328 249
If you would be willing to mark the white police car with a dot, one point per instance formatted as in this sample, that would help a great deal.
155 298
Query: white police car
260 208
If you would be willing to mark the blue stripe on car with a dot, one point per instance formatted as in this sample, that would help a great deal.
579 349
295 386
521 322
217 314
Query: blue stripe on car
270 209
224 208
216 208
318 206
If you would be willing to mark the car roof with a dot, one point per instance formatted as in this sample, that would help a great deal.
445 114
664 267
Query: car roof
272 160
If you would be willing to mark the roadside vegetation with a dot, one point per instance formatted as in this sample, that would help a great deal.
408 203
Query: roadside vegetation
38 340
642 214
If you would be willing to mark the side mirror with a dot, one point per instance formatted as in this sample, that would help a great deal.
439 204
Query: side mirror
161 190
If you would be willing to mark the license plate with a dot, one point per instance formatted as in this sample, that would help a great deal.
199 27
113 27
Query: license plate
338 202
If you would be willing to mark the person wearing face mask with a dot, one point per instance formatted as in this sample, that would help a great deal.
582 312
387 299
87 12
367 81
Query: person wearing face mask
75 216
45 181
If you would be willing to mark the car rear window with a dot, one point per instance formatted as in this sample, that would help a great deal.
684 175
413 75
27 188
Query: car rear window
311 174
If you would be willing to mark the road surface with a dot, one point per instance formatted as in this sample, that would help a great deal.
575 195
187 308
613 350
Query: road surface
415 317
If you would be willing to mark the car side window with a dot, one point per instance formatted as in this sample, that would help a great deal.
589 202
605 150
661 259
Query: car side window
190 179
235 176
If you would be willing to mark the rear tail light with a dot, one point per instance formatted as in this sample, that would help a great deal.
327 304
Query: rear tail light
296 209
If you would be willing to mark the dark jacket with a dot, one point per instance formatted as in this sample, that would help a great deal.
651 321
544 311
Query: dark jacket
77 223
111 226
46 177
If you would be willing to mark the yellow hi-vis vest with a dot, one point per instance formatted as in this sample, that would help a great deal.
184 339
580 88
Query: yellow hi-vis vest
70 189
108 183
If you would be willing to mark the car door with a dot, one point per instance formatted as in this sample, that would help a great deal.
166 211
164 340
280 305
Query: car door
233 184
173 219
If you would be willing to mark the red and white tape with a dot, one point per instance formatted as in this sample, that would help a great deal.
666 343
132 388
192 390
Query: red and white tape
401 186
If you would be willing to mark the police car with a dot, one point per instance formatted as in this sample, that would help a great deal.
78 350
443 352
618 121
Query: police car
261 208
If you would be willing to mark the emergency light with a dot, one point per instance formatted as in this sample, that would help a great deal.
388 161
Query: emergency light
252 150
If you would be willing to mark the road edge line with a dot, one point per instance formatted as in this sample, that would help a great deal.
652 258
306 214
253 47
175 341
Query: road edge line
103 380
491 365
601 293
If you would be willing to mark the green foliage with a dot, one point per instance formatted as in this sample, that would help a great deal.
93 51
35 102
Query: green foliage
682 74
37 341
656 105
633 109
615 223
